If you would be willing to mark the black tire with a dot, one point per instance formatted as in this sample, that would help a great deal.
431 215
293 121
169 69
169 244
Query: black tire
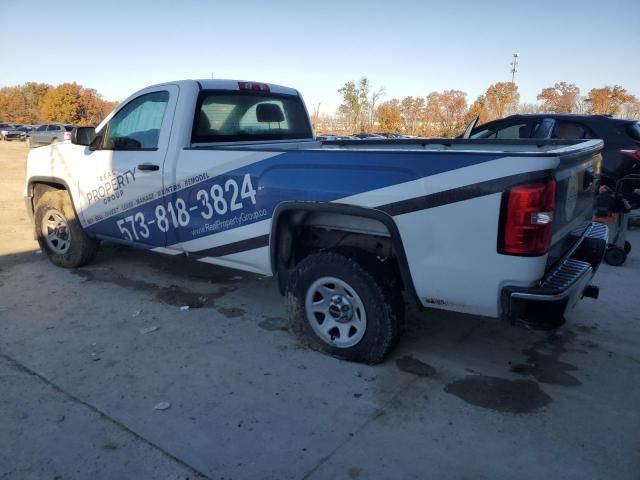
381 305
627 248
615 256
81 249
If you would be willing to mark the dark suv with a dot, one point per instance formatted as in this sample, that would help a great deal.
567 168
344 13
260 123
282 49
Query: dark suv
621 154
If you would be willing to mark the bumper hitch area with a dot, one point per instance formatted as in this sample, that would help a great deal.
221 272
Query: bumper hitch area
543 307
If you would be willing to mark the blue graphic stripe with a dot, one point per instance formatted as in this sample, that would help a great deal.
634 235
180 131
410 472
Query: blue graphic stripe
297 175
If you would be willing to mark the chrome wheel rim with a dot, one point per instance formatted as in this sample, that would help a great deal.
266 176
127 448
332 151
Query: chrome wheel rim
336 312
55 231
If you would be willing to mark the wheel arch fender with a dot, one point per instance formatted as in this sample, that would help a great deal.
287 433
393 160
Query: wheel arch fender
38 185
280 234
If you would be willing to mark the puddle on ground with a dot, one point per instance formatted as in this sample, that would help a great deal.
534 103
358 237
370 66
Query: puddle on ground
172 295
499 394
274 323
412 365
231 312
544 364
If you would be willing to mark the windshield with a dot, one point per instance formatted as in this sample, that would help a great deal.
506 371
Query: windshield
224 116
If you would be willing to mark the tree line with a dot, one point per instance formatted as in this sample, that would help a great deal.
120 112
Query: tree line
34 103
446 113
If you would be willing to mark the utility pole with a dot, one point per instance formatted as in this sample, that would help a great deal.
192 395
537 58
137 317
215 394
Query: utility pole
514 67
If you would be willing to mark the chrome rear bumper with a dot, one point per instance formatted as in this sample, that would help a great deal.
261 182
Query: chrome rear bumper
544 306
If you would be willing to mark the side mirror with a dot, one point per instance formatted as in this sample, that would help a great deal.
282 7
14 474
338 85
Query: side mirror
83 135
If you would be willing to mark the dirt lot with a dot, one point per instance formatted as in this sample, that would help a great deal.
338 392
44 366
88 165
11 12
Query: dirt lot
86 356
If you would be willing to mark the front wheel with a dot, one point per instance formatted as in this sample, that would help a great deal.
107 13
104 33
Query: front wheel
59 232
340 306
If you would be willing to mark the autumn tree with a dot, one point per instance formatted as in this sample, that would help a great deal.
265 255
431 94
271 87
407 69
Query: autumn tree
389 116
71 103
446 113
501 99
608 100
60 104
92 108
13 107
33 93
479 108
355 104
561 98
631 109
374 98
413 111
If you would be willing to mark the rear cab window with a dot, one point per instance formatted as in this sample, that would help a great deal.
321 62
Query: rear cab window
246 116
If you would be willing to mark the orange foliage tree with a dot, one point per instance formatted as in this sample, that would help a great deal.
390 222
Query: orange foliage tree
561 98
389 115
608 100
446 113
67 103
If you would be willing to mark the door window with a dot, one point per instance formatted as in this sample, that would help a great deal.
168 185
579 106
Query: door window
136 126
505 132
570 131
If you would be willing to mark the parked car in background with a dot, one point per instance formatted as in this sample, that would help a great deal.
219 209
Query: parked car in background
17 132
621 154
49 133
4 129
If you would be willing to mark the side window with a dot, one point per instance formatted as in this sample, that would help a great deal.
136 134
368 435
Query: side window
512 132
41 128
570 131
52 128
136 126
504 131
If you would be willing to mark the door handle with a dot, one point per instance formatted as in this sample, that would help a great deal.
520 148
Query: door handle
148 167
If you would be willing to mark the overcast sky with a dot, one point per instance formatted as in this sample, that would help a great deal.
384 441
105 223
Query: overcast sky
409 47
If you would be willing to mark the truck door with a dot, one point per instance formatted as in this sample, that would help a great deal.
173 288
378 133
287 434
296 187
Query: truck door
122 170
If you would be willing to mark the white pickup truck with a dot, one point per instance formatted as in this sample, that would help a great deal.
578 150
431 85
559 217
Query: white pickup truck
229 172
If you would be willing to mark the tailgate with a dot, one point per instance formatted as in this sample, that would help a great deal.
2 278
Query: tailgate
576 179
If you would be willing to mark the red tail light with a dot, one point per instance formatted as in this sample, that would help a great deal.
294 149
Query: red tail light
528 219
634 154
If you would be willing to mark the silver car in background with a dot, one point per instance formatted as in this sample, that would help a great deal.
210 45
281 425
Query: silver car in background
49 133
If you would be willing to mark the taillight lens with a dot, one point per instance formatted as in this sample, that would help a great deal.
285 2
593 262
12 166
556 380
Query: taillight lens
528 219
633 154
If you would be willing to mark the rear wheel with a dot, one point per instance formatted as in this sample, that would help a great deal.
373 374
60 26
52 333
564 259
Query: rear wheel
340 306
615 256
59 232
